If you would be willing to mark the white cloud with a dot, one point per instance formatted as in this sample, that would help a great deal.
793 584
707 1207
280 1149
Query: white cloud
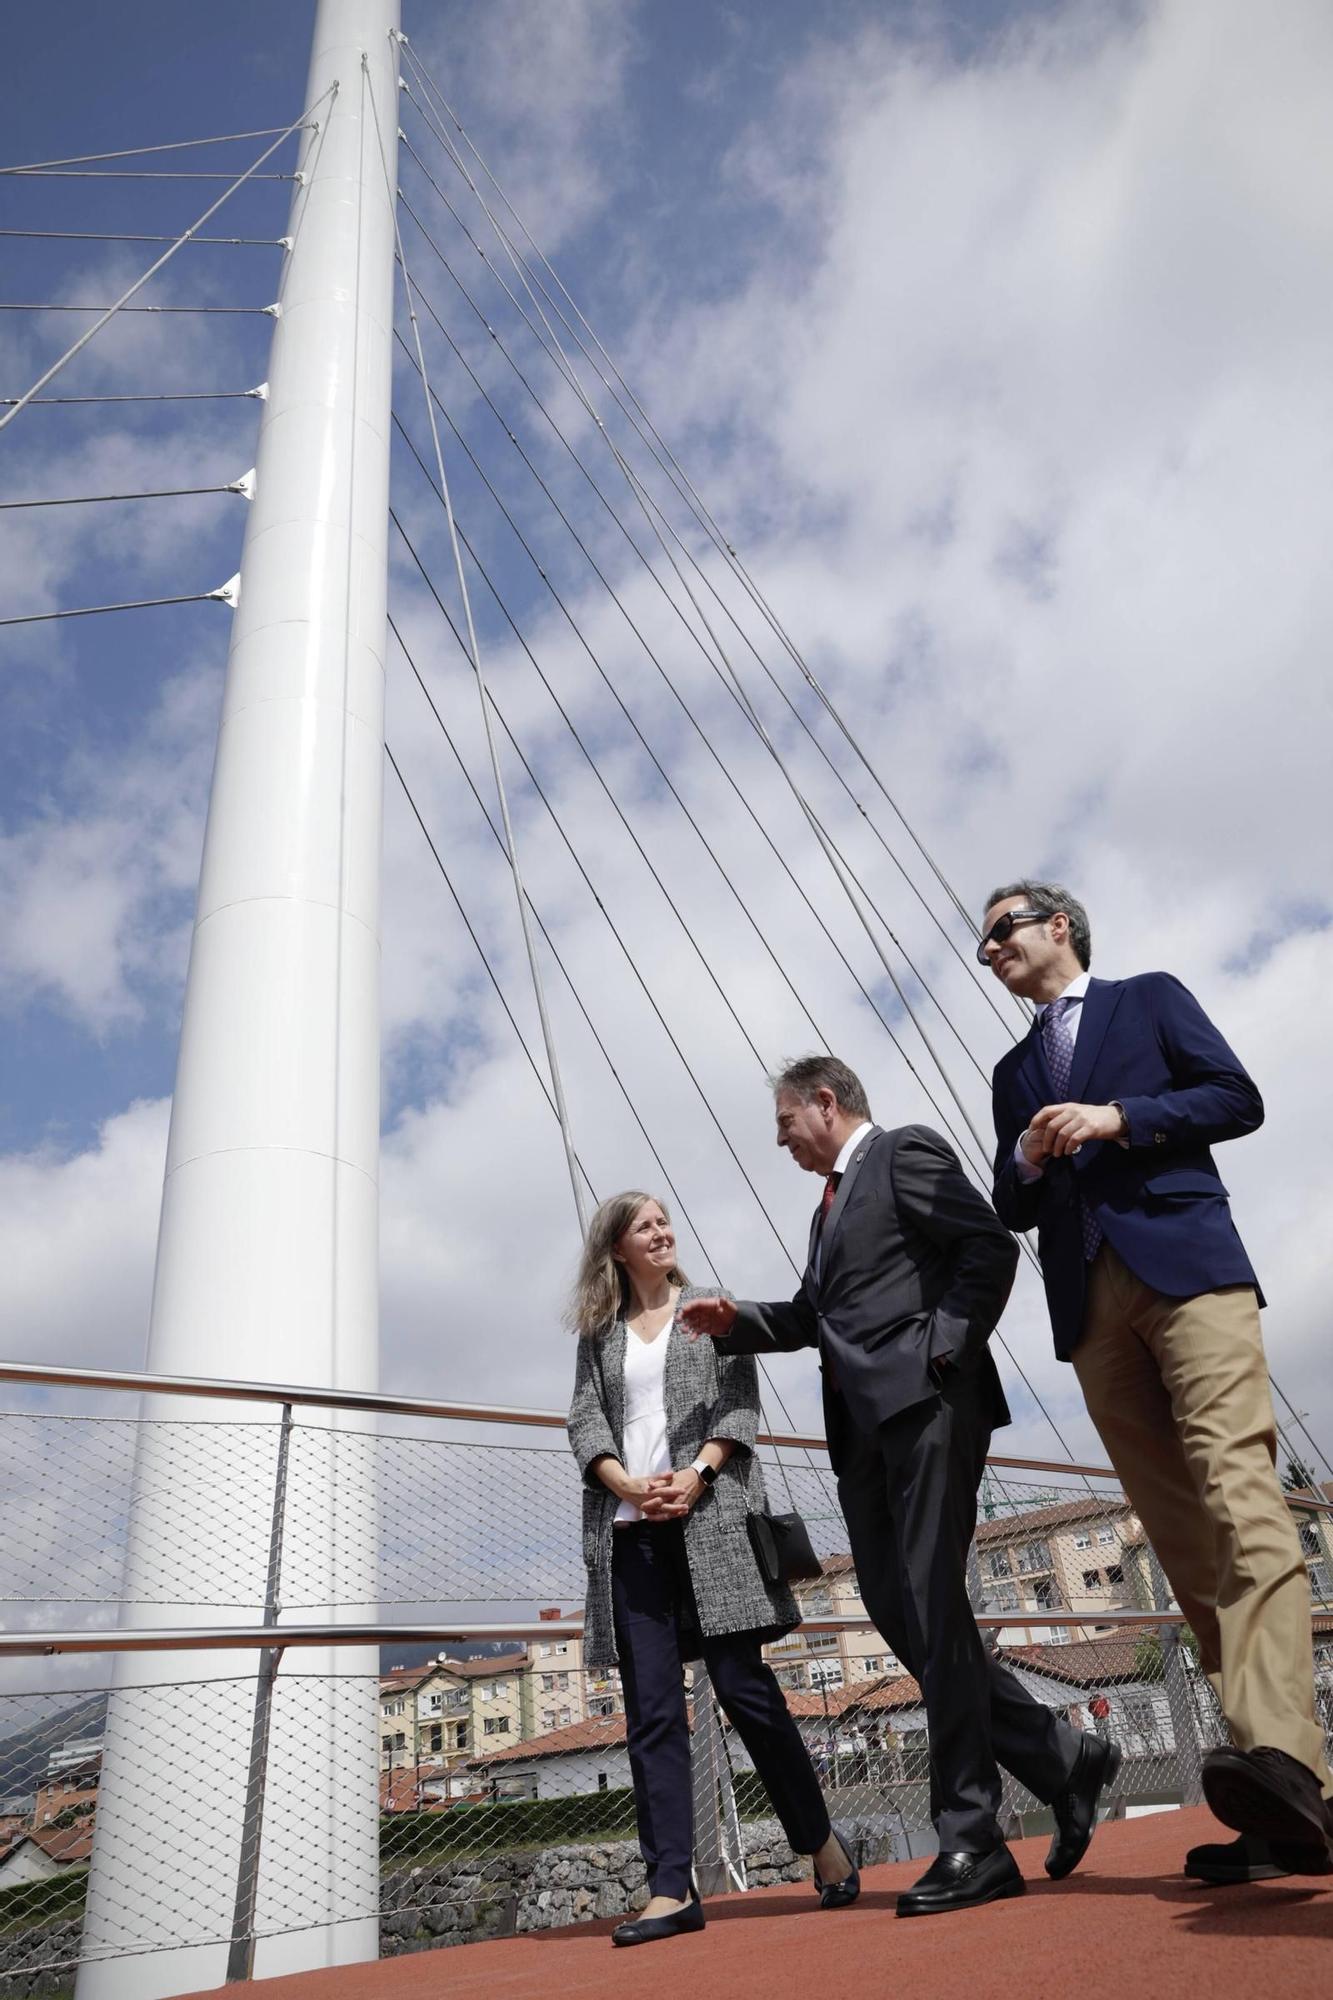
94 916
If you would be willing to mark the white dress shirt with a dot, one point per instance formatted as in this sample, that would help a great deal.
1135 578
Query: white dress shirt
1074 993
844 1159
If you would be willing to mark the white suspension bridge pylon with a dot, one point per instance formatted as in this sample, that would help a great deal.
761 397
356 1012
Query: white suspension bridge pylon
268 1254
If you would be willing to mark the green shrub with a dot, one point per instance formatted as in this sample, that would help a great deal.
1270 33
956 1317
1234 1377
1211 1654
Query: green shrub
415 1837
30 1903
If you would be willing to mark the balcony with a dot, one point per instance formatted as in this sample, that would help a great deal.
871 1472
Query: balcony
249 1651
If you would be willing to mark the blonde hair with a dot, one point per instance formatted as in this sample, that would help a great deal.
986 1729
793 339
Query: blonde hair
602 1289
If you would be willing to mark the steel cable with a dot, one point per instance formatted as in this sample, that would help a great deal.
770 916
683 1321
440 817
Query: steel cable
669 464
687 492
122 302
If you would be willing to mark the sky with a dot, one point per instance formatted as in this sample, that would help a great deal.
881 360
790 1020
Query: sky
997 339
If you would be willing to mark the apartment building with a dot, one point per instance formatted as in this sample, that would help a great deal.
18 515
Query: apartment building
435 1718
814 1661
1081 1555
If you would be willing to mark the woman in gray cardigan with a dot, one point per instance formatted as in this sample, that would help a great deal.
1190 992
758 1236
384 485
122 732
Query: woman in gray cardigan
663 1429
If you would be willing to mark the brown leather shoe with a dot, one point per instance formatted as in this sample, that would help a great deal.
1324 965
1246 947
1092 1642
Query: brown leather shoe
1269 1794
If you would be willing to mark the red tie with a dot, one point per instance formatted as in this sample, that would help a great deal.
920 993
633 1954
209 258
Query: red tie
830 1195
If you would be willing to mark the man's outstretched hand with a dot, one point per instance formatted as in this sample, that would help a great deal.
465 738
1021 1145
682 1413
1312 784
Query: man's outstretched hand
715 1317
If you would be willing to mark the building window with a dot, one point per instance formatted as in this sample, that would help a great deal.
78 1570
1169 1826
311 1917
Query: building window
1083 1540
1114 1573
853 1587
1092 1579
1045 1594
1309 1535
1006 1597
603 1782
436 1703
548 1718
497 1725
997 1563
400 1741
1106 1537
386 1744
601 1704
437 1738
873 1666
462 1736
1034 1556
564 1718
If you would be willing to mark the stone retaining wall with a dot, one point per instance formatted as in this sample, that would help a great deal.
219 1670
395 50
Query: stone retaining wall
461 1902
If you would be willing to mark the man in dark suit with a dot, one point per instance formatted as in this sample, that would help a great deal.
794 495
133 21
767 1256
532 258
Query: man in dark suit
1104 1118
908 1272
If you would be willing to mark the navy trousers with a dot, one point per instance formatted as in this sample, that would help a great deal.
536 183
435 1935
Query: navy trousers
656 1631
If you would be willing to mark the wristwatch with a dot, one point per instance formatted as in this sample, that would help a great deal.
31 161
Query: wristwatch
707 1473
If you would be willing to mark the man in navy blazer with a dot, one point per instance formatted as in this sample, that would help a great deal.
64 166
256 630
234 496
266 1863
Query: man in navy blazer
1105 1117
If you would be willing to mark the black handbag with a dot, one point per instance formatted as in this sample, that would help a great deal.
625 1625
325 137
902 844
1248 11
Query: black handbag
782 1548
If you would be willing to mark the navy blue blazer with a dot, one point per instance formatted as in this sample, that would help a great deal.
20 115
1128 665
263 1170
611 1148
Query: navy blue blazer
1147 1044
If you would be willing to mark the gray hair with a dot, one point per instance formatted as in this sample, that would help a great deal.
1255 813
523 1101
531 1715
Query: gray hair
1052 899
808 1075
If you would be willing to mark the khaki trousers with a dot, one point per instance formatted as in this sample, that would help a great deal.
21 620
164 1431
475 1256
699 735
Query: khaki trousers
1178 1389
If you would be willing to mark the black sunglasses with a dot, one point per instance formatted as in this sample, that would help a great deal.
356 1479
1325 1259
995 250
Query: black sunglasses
1003 927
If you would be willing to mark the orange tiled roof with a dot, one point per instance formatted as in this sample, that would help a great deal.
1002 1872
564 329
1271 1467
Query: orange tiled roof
63 1844
597 1732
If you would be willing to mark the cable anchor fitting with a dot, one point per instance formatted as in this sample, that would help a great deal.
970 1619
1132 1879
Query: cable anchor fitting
245 485
228 593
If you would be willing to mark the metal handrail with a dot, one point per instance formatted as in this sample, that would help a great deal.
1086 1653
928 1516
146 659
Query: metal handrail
242 1638
219 1388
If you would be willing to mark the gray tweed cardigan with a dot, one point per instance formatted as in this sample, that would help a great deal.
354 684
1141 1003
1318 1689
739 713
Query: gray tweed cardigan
708 1395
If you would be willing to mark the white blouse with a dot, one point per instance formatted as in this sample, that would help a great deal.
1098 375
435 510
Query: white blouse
646 1447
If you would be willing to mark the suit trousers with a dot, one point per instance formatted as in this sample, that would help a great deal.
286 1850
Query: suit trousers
908 1491
1178 1389
653 1610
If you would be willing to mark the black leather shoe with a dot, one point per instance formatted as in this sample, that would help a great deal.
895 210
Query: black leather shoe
1245 1860
1267 1793
962 1882
839 1895
1075 1809
648 1930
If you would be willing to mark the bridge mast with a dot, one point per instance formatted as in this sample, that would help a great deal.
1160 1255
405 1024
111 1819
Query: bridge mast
267 1263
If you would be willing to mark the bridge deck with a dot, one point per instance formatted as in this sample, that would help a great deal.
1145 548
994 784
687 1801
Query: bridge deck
1126 1924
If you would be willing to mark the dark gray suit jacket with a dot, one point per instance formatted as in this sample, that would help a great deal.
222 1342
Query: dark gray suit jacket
915 1266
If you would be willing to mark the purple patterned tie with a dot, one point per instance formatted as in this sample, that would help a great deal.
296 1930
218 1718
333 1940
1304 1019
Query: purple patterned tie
1059 1045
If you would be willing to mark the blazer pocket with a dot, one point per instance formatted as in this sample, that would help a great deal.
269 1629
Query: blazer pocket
1183 1184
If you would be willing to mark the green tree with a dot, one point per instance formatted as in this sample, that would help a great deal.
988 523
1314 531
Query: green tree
1299 1477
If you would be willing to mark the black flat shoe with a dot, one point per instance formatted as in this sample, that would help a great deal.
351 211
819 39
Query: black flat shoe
839 1895
648 1930
1270 1795
1221 1862
1075 1809
962 1882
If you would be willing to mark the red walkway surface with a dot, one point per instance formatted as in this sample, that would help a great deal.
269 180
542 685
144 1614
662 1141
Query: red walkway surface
1126 1926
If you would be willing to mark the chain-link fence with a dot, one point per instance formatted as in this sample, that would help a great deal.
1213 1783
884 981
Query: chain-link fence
504 1800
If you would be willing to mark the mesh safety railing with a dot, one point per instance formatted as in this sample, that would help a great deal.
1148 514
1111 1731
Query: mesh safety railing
499 1783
